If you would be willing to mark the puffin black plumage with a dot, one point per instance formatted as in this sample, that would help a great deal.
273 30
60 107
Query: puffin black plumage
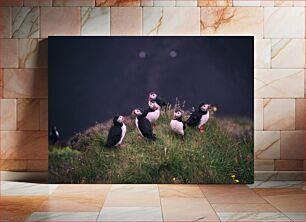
177 124
153 97
116 133
54 136
199 117
143 125
153 112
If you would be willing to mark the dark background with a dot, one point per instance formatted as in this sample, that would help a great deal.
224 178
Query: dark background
91 79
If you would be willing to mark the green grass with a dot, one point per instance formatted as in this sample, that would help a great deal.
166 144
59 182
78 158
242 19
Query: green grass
225 149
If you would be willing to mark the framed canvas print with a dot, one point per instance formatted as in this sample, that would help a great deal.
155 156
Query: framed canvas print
151 109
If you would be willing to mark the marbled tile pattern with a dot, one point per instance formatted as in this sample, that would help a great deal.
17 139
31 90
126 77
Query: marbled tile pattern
267 145
278 22
279 114
159 21
25 23
63 216
27 114
279 83
33 53
278 27
95 21
232 20
177 202
282 49
118 2
25 83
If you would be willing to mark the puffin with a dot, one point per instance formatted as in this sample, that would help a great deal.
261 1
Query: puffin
153 112
199 117
143 125
116 133
54 136
177 125
153 97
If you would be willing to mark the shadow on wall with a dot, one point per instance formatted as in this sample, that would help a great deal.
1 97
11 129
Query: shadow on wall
30 143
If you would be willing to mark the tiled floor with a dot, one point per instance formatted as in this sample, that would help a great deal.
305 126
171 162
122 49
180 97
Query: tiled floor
263 201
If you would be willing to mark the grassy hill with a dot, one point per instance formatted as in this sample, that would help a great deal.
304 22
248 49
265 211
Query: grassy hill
225 149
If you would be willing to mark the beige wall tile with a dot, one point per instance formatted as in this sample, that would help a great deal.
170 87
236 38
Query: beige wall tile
267 3
289 165
5 22
37 2
300 114
264 165
8 53
25 83
258 117
267 145
246 3
160 21
51 17
1 83
284 50
27 114
33 53
187 209
263 53
117 3
279 114
284 22
25 22
280 3
186 3
73 2
43 123
163 3
24 145
212 3
279 83
146 2
305 82
37 165
292 145
232 20
95 21
10 3
122 26
8 114
299 3
13 165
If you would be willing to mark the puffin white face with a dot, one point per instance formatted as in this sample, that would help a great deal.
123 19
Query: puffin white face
205 107
152 96
137 112
178 114
153 105
120 119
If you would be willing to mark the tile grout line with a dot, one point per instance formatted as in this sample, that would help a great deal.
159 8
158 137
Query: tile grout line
104 202
161 208
209 203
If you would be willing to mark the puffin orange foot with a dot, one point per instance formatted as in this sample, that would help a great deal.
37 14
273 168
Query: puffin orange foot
122 145
202 129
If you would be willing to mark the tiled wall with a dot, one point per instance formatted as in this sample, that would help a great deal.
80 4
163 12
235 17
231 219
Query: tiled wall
278 26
